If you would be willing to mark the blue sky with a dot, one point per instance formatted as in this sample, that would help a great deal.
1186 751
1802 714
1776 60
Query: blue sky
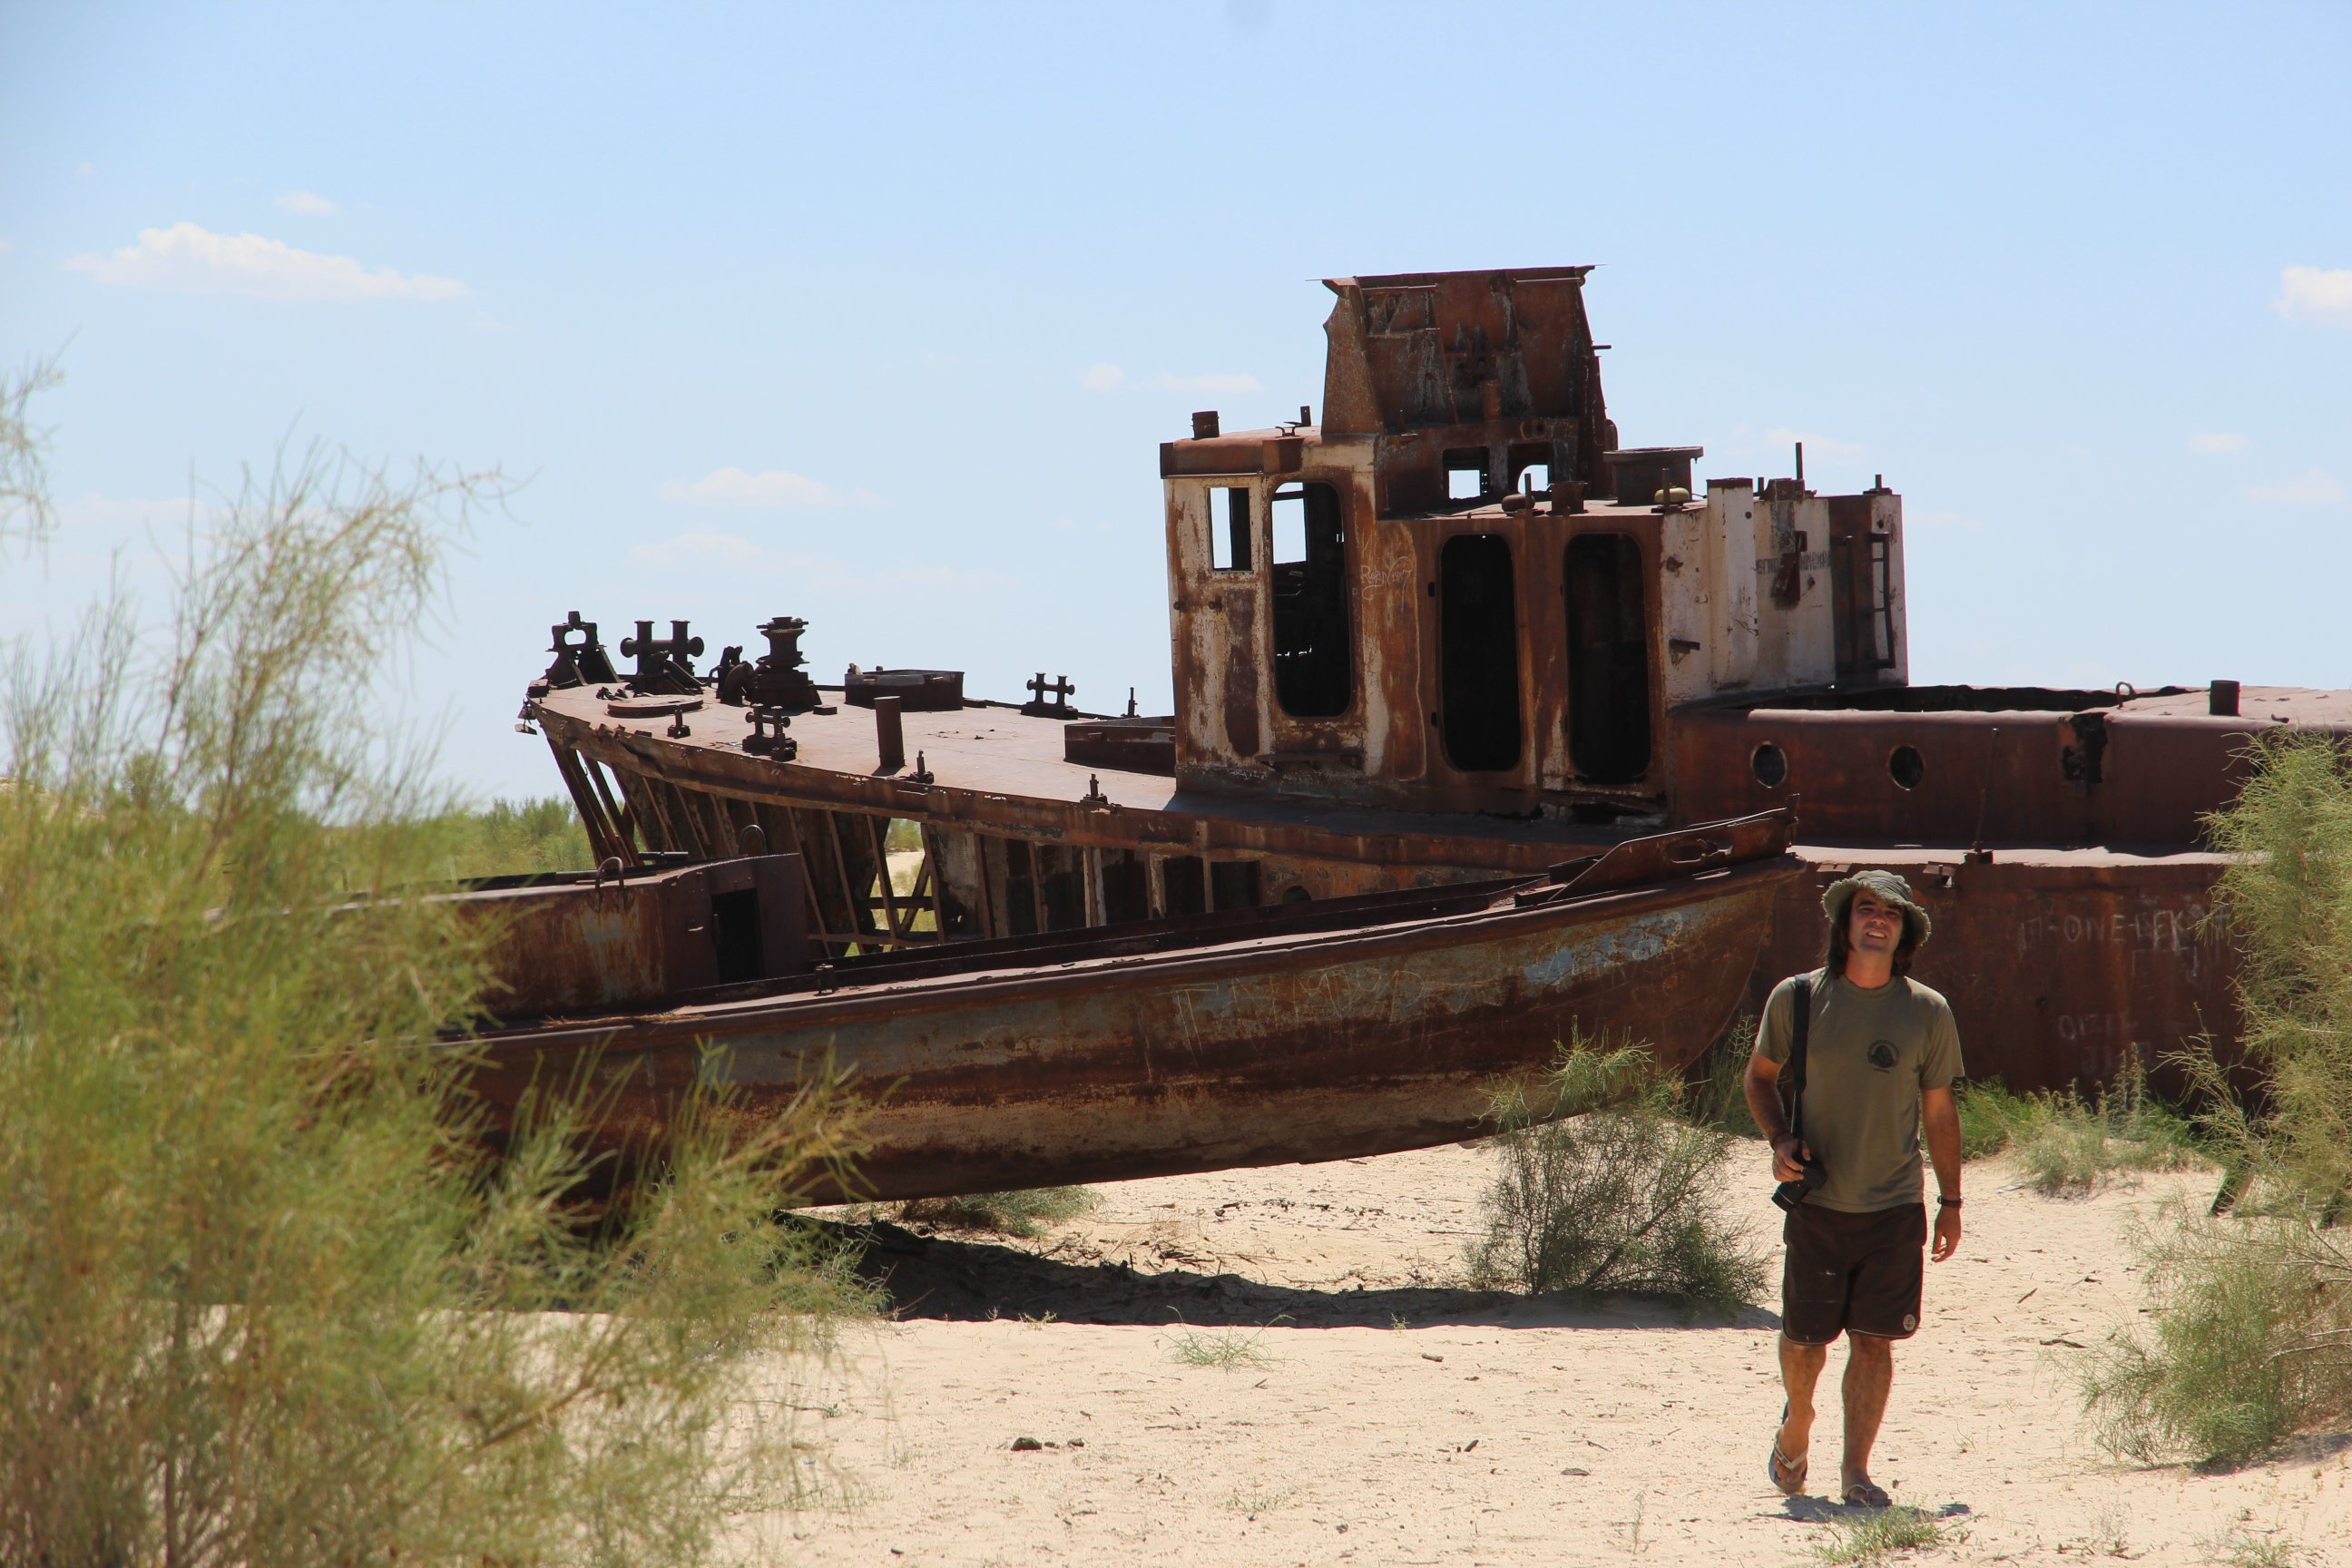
875 315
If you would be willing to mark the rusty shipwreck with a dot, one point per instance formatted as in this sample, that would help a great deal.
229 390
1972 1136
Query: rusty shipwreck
1453 632
1299 1031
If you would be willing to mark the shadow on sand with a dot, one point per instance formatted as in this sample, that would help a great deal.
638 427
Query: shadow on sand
1809 1509
953 1279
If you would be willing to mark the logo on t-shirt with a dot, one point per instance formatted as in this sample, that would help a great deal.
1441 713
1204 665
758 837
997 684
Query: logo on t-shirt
1882 1055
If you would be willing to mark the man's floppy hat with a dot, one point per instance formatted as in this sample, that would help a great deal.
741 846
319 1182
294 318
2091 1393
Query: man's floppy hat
1887 888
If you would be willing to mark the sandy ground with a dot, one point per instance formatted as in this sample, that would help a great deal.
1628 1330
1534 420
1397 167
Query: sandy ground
1380 1412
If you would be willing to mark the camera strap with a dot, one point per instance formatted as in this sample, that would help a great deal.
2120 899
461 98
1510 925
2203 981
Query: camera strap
1802 994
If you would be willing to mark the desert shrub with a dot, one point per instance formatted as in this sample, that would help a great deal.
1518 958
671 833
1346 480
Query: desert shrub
1027 1213
2248 1337
1991 1117
1227 1350
1605 1184
1715 1088
2069 1144
264 1298
2249 1323
508 838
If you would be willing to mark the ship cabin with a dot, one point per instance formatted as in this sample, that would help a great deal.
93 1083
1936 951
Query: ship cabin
1456 592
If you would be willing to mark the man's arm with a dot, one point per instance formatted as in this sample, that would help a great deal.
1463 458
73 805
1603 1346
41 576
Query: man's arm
1763 1084
1939 1118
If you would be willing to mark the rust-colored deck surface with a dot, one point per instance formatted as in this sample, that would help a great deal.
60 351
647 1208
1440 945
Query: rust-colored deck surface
1000 757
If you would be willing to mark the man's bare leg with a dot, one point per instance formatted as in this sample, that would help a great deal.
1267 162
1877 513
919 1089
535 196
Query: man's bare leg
1800 1370
1869 1375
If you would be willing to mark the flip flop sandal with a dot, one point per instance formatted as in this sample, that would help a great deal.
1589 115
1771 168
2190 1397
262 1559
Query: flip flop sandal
1779 1462
1867 1494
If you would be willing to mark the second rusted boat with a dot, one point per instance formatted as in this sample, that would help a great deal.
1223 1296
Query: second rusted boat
1298 1032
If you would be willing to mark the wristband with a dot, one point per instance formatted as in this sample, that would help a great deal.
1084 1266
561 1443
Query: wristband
1944 1202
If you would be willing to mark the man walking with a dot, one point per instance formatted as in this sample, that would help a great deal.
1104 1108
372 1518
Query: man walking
1878 1059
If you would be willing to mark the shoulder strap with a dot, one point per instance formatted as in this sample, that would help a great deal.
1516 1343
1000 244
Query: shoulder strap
1794 1074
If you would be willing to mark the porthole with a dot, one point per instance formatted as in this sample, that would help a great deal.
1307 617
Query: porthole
1904 766
1295 894
1769 763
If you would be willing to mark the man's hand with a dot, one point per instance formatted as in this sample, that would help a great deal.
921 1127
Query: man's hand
1948 1232
1939 1118
1789 1157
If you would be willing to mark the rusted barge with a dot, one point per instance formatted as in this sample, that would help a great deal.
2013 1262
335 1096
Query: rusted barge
1453 630
1337 1029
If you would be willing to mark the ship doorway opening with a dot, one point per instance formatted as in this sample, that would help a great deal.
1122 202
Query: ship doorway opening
1478 653
1313 673
1608 658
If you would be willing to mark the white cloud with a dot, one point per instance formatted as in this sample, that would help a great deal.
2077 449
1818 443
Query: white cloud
2222 443
308 202
187 259
5 247
764 491
1102 377
1828 446
2316 488
700 547
2315 294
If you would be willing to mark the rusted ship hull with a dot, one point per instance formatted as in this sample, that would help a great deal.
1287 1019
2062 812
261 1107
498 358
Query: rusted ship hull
1341 1043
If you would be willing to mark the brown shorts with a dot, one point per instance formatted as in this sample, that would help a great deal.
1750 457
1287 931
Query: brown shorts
1852 1272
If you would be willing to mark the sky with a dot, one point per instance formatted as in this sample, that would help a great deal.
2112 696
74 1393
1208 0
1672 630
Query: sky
877 314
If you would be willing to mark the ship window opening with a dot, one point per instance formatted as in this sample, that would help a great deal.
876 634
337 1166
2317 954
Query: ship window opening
1769 765
1295 894
1124 894
1531 467
1478 653
1061 884
1466 474
735 932
1020 903
1608 658
1904 766
1184 884
1229 529
1232 884
1314 675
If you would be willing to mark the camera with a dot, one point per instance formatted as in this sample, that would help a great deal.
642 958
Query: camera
1789 1195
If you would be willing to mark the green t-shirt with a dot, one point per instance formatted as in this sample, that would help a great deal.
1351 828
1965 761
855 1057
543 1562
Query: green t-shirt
1868 1055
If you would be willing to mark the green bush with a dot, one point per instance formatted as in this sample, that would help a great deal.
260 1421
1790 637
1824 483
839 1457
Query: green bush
2248 1337
2248 1324
1715 1092
264 1298
1605 1184
507 839
2070 1145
